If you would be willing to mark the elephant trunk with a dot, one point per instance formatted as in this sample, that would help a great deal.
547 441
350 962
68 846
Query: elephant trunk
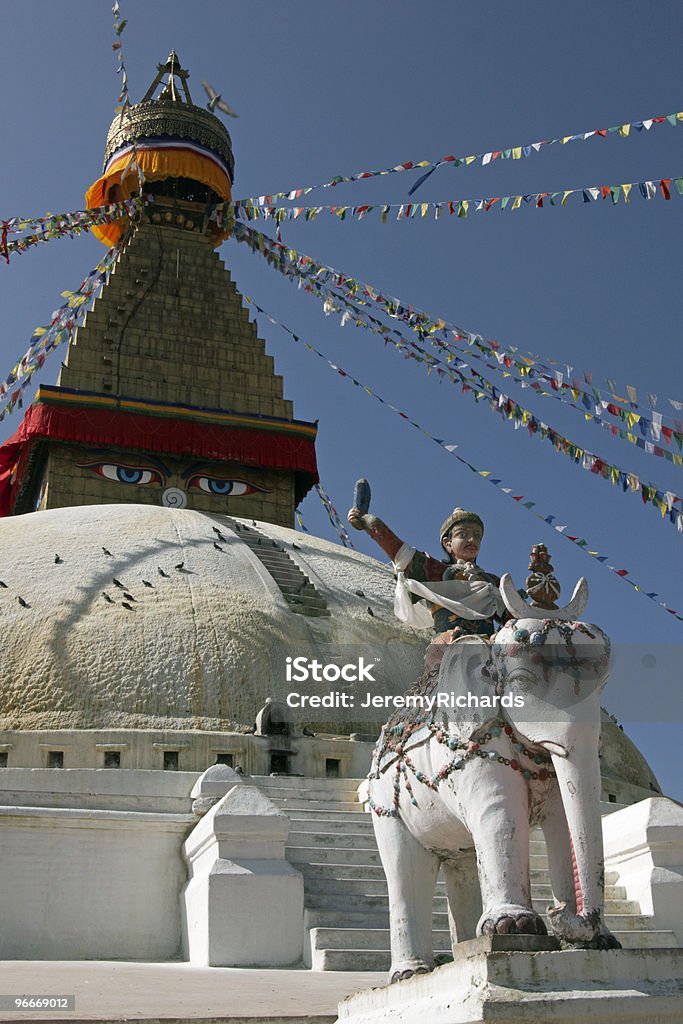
578 776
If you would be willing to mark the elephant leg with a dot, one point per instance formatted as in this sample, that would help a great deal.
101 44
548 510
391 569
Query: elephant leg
556 832
561 867
464 897
411 872
498 818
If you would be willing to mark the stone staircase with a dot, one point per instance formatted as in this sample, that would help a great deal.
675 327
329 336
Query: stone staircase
297 589
346 917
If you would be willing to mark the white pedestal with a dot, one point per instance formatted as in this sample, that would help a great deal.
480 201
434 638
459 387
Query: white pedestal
243 905
489 982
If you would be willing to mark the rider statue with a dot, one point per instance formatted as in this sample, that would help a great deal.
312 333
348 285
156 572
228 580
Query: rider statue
461 597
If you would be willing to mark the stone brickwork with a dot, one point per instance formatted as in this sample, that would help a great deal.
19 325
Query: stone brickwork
69 482
169 326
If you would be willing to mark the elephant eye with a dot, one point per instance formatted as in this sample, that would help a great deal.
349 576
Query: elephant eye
523 679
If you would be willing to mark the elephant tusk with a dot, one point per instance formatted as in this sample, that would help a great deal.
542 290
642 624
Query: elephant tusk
519 609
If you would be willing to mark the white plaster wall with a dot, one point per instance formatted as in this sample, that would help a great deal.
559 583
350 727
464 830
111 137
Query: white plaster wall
87 884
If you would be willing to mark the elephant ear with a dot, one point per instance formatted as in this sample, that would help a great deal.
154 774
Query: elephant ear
464 676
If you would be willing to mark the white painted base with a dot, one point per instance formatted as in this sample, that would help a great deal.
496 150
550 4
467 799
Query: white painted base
486 982
243 905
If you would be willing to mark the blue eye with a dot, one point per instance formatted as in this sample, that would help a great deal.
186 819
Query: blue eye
129 476
124 474
218 485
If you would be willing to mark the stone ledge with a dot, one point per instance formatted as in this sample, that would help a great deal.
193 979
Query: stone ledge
488 982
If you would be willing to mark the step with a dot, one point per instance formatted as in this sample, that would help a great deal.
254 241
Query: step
648 939
359 825
317 796
319 855
543 891
352 872
350 960
364 958
361 902
356 886
345 840
366 938
300 812
294 803
333 788
316 917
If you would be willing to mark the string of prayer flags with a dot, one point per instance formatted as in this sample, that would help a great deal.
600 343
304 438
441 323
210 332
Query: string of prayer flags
123 106
554 521
32 231
62 325
461 208
623 131
440 332
479 387
334 517
300 521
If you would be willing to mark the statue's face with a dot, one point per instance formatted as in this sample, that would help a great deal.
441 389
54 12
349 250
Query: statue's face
464 541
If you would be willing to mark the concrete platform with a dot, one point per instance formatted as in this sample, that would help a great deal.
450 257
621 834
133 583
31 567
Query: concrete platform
491 981
178 992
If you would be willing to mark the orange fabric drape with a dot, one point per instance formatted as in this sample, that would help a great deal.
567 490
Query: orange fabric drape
171 162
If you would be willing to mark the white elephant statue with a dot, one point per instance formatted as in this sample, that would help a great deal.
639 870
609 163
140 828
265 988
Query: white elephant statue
474 778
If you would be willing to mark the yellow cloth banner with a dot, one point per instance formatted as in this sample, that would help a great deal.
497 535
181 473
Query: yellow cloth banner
155 164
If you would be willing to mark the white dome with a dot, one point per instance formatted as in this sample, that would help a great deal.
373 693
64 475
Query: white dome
201 648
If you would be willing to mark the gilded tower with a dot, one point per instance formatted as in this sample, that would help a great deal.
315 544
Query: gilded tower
166 394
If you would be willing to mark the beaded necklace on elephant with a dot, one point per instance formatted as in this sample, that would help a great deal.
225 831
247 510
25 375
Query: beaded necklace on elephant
469 750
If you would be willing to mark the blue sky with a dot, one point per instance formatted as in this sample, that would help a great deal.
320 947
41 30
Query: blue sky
325 89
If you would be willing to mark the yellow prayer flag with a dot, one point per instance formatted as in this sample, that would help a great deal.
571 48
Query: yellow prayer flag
678 460
484 472
517 202
624 130
566 196
517 153
626 189
470 159
567 138
424 208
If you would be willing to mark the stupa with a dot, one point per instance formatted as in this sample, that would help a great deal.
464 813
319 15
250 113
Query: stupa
146 523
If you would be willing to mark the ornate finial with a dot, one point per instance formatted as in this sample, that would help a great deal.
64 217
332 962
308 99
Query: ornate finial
541 583
173 69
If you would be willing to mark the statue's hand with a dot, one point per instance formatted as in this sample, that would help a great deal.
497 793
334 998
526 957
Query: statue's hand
357 519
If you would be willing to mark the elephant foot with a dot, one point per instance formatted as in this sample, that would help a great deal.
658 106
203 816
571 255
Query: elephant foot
511 919
580 931
408 972
606 940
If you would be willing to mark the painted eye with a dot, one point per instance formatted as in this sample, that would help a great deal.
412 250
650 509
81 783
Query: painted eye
217 485
122 474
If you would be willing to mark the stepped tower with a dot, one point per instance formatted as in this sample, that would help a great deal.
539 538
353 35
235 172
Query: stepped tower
166 394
